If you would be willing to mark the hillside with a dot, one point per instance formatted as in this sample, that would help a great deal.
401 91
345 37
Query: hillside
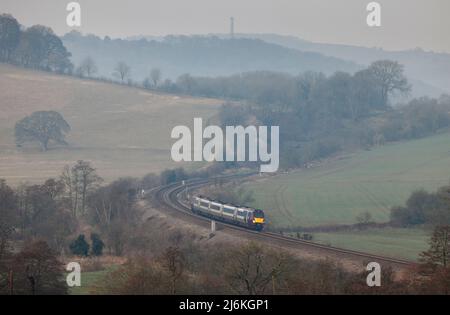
198 55
123 131
428 71
337 191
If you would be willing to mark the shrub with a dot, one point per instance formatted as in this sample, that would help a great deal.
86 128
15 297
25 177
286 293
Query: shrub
79 246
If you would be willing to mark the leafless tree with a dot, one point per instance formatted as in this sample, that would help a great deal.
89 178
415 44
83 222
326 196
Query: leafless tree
389 75
173 261
88 67
439 252
79 181
155 75
251 269
122 71
37 271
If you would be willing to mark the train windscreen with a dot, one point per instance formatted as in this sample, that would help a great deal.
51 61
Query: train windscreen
258 213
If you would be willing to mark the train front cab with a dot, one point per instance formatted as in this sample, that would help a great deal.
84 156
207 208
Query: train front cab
258 220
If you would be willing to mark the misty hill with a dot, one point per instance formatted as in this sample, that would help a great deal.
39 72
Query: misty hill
123 131
428 71
198 55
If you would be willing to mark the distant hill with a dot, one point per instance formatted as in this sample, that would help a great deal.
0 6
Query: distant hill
198 55
428 71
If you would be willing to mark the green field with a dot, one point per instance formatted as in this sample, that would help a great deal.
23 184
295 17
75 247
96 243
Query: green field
337 191
391 242
123 131
89 279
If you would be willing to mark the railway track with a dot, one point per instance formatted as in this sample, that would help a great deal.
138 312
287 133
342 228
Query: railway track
169 196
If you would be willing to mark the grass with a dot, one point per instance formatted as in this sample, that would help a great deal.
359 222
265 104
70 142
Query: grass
391 242
338 191
88 279
123 131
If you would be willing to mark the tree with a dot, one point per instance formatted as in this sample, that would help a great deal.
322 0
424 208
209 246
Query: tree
439 252
88 67
97 245
421 207
364 95
122 71
36 270
79 182
40 48
86 180
173 261
250 269
42 214
43 127
9 36
186 83
389 77
111 209
8 216
79 246
117 234
364 218
155 75
138 276
146 83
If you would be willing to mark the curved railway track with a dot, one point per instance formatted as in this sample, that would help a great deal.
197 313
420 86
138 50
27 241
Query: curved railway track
169 196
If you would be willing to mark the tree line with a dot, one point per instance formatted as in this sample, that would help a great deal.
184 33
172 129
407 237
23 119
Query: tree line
424 208
35 47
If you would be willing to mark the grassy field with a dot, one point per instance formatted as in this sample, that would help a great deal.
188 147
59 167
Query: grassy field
338 191
391 242
89 279
123 131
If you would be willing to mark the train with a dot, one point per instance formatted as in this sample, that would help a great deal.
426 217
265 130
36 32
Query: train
237 215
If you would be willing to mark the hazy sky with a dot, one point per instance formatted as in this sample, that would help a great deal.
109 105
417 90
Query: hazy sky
405 23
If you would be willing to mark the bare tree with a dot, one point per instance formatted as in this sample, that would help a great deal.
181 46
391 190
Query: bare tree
87 180
70 188
8 216
173 261
88 67
38 271
439 252
122 71
251 269
155 75
79 181
389 75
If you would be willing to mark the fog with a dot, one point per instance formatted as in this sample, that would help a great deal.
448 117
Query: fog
406 24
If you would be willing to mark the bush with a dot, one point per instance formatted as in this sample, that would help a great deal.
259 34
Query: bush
422 208
97 245
79 246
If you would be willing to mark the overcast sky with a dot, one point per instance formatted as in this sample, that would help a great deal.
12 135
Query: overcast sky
405 23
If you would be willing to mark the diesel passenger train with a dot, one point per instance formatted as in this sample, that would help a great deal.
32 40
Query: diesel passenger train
220 211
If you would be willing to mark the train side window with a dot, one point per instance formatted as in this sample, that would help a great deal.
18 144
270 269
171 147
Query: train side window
228 210
204 204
